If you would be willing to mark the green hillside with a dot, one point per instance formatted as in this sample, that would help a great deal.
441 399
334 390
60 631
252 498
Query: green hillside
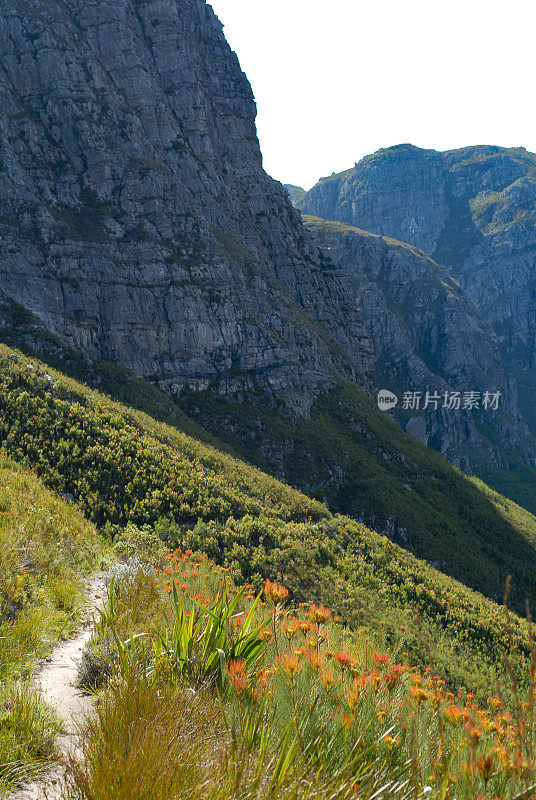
122 466
350 456
46 549
361 464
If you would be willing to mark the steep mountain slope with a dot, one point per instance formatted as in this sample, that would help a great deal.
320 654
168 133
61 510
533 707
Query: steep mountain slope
121 466
472 210
428 336
431 507
137 221
345 452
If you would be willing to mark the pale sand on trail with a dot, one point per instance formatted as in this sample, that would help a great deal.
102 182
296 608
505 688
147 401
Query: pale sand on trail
56 677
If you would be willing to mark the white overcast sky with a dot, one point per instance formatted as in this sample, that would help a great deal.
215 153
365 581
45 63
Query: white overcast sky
337 79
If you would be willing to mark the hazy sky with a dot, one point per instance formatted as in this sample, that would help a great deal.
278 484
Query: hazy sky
337 79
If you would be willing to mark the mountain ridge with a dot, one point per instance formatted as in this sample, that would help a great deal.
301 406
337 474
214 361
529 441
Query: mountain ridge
472 210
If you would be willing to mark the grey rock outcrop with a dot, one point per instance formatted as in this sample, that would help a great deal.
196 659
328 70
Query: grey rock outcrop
374 195
137 222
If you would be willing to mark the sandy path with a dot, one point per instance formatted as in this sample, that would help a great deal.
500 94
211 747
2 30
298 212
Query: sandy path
56 677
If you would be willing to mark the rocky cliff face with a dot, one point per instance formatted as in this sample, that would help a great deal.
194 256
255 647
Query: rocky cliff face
472 210
374 194
428 336
137 222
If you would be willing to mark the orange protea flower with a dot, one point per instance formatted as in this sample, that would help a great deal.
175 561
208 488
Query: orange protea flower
353 696
518 765
418 694
290 664
393 675
328 679
453 714
380 659
291 627
486 766
474 733
494 726
275 592
347 720
264 678
354 668
373 680
343 660
236 671
315 661
319 614
265 634
502 756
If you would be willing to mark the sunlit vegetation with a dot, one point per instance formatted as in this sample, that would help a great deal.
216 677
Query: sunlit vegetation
46 548
363 465
123 467
347 454
343 661
282 700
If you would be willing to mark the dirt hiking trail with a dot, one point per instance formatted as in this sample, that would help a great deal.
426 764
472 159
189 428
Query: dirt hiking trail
56 677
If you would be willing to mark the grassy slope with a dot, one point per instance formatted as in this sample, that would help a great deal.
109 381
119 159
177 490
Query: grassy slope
123 466
363 465
358 719
46 546
352 457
